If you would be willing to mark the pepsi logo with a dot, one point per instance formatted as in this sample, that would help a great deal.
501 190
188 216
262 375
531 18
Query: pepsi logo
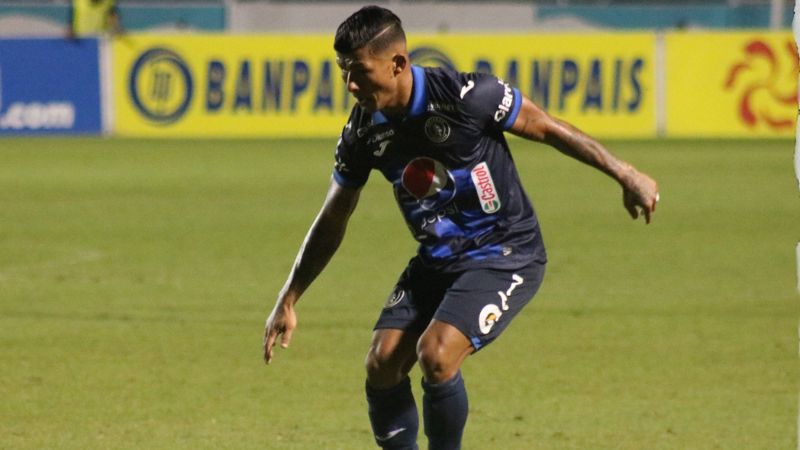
429 182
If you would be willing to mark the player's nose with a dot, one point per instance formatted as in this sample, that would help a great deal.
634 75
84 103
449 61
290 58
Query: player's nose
352 87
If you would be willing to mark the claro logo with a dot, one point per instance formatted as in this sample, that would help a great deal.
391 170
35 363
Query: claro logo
766 82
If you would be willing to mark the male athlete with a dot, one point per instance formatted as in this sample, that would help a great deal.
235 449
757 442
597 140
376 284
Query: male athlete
437 137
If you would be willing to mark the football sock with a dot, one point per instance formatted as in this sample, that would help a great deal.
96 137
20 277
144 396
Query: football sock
393 414
444 411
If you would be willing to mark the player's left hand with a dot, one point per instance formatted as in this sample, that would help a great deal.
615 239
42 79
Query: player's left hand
640 195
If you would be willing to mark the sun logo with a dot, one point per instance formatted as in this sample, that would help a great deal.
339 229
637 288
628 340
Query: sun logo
767 84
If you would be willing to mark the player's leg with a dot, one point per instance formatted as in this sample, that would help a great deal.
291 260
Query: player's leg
475 310
392 409
392 354
441 351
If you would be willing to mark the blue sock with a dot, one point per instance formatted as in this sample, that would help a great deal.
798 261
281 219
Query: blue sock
393 414
445 410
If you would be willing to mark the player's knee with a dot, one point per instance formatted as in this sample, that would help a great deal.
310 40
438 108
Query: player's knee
381 372
436 365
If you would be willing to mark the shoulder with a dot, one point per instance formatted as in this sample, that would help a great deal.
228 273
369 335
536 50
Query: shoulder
490 100
444 82
481 85
470 88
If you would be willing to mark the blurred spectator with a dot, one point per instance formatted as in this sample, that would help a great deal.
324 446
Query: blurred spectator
92 17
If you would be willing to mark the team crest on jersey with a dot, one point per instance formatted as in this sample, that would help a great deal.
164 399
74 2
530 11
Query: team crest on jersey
429 182
437 129
395 298
484 185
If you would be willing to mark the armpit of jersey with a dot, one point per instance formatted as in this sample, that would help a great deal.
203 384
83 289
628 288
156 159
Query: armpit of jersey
491 102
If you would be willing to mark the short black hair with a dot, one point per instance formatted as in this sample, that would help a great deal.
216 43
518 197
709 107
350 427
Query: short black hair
364 25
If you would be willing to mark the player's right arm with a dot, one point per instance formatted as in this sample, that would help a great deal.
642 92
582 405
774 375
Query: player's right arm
320 244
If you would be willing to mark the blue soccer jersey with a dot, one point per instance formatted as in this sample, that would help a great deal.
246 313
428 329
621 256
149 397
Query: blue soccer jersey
452 172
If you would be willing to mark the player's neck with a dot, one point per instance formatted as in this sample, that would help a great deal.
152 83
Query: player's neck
402 104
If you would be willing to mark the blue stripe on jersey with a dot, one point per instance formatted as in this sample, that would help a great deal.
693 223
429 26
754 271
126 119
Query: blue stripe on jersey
485 252
347 182
417 97
476 342
514 110
378 118
443 251
418 92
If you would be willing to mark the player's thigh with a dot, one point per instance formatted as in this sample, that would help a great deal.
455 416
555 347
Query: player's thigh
414 299
404 317
482 303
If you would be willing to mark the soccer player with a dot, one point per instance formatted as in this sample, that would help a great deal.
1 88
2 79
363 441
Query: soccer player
437 136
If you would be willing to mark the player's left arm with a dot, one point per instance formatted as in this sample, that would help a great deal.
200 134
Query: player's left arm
639 191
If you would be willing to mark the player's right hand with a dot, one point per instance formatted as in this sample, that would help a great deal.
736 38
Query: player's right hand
640 192
282 321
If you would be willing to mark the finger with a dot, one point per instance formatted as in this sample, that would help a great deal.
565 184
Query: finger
271 336
649 210
286 339
630 205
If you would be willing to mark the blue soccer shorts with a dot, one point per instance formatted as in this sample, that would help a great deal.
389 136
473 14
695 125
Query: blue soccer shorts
479 302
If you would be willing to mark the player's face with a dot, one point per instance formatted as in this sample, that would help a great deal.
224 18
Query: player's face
369 77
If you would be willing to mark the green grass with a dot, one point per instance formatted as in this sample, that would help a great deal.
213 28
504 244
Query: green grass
135 277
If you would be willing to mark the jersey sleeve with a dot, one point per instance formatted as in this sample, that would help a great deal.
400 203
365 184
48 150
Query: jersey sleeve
348 170
490 101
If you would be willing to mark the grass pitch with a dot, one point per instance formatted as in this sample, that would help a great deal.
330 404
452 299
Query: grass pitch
135 277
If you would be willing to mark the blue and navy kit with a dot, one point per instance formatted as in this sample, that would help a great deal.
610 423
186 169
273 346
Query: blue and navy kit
452 172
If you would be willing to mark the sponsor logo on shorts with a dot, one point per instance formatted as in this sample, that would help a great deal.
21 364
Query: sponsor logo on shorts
491 313
487 194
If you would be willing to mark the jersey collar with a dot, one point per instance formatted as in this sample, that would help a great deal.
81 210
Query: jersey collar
417 97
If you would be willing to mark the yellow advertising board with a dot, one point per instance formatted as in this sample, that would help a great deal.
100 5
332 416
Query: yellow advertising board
289 85
602 82
733 84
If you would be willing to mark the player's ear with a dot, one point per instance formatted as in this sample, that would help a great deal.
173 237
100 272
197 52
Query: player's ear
399 63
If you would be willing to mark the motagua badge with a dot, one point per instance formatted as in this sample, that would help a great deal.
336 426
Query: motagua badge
160 86
437 129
